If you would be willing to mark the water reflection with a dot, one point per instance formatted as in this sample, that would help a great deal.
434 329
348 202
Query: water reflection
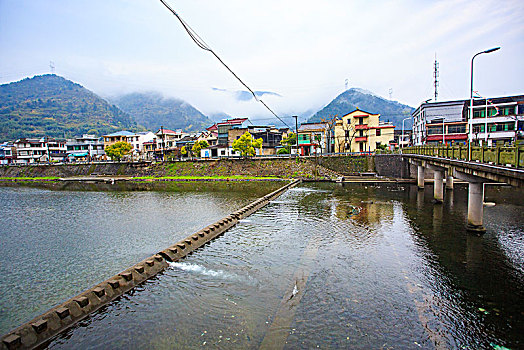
399 272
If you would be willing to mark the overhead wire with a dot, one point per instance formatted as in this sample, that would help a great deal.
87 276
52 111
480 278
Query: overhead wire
202 44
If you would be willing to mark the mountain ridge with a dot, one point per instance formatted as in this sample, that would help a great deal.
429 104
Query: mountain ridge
357 98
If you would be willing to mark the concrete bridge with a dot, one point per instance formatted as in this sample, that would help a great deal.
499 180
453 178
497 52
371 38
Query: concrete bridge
474 172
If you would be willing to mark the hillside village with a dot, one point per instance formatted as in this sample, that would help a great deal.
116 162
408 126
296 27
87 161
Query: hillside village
358 131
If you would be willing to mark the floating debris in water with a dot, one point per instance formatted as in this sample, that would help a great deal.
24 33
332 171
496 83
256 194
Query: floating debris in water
483 310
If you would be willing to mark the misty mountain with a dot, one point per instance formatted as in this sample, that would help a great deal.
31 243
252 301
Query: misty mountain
354 98
49 105
244 95
152 110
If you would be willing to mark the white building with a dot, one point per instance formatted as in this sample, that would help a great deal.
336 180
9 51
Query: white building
137 140
85 146
437 122
499 119
45 149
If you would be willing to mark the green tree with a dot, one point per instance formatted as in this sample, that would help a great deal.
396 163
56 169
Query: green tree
246 144
117 150
198 146
288 142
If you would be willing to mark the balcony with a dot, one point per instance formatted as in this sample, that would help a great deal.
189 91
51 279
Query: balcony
361 139
361 127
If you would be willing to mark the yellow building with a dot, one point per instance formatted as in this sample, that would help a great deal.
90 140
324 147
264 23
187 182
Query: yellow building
119 136
360 131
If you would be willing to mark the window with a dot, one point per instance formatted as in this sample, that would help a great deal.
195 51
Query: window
378 132
458 129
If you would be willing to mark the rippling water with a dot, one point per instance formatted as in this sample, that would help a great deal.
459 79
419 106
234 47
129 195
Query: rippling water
60 239
334 266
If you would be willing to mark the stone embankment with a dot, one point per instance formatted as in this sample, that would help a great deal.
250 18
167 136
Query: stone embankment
299 168
41 329
282 168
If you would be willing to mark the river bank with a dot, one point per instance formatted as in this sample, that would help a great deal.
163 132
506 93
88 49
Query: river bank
284 168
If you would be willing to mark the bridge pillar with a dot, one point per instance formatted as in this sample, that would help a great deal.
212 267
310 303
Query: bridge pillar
449 182
420 177
438 186
475 207
475 201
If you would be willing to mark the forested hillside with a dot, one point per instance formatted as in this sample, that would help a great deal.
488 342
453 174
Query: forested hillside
49 105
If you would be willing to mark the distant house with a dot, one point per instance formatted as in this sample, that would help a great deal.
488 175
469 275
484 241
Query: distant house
7 153
44 149
270 135
120 136
85 147
315 138
361 131
166 141
218 151
224 127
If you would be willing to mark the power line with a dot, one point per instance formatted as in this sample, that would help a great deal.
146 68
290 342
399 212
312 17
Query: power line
202 44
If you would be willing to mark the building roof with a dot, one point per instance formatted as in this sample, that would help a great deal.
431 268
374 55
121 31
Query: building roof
121 133
167 131
234 121
360 110
311 126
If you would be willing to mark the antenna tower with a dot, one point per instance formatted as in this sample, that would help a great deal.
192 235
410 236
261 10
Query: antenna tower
52 67
346 84
435 77
390 93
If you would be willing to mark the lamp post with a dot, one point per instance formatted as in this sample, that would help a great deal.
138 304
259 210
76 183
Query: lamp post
402 139
470 114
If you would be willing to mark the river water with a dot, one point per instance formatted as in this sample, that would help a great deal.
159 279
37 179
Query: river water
324 265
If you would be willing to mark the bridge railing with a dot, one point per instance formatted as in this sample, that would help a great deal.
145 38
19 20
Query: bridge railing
500 155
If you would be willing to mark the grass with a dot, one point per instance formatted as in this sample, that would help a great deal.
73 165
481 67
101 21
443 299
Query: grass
214 177
43 178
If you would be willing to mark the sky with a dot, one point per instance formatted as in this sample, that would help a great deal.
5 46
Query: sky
303 51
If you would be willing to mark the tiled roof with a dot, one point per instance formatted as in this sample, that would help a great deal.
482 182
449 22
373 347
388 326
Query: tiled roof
235 121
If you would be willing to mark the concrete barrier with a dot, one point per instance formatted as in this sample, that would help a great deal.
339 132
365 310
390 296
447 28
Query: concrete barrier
41 329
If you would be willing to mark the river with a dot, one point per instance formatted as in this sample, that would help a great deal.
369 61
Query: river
325 265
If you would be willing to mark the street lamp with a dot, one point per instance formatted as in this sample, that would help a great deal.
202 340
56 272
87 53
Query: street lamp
470 121
402 139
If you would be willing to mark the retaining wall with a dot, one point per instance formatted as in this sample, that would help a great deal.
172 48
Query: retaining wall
392 165
41 329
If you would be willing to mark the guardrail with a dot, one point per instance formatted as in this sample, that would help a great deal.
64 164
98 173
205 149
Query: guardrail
501 155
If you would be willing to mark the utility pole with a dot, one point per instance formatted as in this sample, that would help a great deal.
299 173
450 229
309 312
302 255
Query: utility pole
296 131
162 137
435 77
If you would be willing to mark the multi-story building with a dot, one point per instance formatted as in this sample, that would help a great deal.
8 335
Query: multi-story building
437 122
166 139
119 136
497 120
270 135
85 147
224 127
447 121
44 149
360 131
315 138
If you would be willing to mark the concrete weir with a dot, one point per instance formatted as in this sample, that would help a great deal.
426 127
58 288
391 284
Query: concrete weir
41 329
